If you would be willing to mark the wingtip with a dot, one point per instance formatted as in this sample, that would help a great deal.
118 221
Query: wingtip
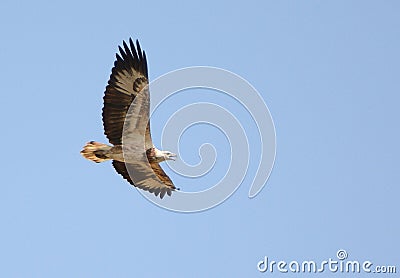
162 194
125 45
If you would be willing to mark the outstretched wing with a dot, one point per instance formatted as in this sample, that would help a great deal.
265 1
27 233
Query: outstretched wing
129 77
128 83
150 184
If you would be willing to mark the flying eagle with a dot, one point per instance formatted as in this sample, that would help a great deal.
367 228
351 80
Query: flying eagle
128 83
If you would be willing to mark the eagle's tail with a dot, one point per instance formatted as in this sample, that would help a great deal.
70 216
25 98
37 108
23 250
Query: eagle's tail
96 152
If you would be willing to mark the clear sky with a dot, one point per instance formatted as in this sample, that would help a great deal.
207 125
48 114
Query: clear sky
329 73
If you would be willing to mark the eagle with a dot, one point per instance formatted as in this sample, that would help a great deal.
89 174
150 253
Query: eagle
129 86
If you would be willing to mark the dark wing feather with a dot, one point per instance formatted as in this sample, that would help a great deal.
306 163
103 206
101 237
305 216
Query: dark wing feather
169 186
153 187
128 82
128 77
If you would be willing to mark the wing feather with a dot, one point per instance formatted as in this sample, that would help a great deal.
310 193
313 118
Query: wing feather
128 77
158 189
129 81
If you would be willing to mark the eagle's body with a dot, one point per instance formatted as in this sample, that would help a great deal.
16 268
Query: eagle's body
99 152
128 83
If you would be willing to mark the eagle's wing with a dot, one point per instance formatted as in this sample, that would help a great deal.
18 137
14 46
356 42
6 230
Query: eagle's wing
149 184
129 83
129 76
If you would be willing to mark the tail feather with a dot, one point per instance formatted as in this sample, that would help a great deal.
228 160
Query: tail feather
95 151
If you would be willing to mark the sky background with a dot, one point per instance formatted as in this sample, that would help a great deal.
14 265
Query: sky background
329 73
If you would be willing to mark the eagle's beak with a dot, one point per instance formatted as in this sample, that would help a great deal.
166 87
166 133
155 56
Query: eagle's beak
172 156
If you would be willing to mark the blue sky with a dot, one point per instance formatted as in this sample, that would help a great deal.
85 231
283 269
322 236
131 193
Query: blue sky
328 71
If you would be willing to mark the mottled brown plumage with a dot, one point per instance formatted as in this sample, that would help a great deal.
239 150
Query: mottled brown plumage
128 83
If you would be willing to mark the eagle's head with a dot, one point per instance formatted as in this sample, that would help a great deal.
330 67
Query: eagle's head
164 155
168 155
